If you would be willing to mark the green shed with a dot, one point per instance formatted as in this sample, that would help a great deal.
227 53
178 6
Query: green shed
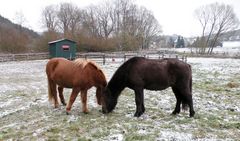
62 48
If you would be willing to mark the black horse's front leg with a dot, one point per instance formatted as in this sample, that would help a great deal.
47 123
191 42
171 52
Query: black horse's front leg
139 99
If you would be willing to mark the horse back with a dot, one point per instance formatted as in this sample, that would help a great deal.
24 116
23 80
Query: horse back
158 74
62 72
69 74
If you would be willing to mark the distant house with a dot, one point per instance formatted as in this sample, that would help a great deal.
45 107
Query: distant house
176 41
62 48
179 42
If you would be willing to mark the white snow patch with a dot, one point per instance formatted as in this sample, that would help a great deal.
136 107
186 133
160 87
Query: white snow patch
170 135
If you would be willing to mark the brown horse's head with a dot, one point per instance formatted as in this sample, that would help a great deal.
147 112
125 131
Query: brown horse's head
94 76
98 79
109 101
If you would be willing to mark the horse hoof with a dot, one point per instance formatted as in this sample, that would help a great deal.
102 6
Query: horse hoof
174 113
56 106
192 114
138 114
68 112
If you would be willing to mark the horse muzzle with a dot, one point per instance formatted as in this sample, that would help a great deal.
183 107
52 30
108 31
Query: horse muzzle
105 111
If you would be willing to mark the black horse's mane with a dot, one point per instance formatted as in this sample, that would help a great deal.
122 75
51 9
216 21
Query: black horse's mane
118 80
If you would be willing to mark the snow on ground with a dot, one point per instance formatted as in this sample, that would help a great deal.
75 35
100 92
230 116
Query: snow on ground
26 114
231 44
229 48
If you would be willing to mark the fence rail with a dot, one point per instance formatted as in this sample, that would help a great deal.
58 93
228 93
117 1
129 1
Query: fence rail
99 57
25 56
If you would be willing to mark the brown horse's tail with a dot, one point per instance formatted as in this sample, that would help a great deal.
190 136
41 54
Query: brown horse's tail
50 95
184 102
49 69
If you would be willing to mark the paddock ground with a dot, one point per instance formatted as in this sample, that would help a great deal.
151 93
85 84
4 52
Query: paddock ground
26 114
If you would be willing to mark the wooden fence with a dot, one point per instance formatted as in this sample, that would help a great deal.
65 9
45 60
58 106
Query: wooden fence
25 56
98 57
106 57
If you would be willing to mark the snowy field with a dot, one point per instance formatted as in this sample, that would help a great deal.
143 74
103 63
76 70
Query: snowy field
25 113
229 48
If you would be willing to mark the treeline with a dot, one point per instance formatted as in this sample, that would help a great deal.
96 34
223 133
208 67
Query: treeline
111 25
116 25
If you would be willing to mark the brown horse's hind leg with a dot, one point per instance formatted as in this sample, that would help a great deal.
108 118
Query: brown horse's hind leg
84 101
60 91
72 99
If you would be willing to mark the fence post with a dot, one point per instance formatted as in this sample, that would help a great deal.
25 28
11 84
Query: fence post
104 59
13 57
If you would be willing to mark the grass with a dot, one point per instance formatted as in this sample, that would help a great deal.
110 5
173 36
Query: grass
216 102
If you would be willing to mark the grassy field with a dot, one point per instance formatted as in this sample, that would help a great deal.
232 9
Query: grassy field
26 114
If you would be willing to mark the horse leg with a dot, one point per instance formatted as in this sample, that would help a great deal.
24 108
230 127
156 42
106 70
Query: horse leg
60 91
84 101
99 95
139 99
179 101
187 98
191 110
72 99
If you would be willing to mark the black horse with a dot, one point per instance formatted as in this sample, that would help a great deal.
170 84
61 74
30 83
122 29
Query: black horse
139 73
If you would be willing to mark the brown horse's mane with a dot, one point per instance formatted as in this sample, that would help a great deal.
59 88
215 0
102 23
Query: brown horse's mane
83 62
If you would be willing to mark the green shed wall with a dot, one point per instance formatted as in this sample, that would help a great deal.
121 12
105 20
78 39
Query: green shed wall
56 50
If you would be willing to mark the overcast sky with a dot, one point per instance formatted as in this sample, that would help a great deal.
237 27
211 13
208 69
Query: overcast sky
175 16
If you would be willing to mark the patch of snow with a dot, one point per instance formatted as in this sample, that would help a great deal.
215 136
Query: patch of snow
72 118
116 137
231 44
172 135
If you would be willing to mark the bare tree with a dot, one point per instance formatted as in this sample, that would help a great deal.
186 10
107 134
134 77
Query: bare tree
49 17
204 18
106 19
69 17
148 27
90 23
215 19
120 23
134 26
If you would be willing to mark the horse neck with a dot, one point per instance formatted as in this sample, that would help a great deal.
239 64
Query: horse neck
116 85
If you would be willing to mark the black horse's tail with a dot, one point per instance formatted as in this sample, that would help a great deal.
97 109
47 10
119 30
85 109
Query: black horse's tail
184 102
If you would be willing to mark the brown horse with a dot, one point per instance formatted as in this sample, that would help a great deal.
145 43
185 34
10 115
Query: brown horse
80 75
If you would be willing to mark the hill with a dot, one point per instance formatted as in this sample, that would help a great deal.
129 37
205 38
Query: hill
7 24
231 36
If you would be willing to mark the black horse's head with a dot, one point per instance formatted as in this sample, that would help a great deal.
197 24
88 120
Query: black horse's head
109 101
